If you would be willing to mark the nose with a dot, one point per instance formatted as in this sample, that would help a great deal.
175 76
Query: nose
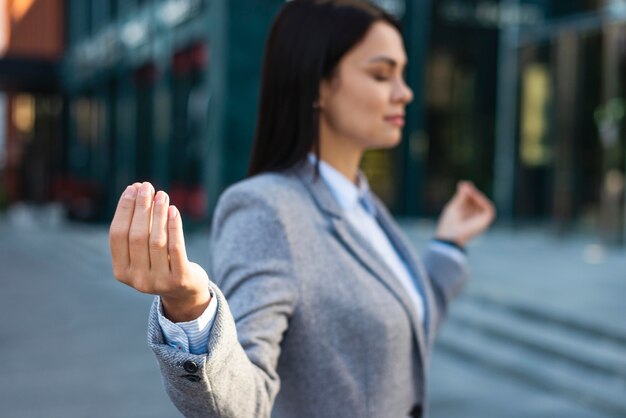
402 92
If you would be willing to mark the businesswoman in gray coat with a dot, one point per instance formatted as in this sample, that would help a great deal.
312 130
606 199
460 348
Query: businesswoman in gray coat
315 305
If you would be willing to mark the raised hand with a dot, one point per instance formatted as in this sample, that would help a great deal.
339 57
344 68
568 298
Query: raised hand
467 215
148 253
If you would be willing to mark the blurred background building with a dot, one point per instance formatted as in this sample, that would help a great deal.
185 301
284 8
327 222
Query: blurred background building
524 97
31 99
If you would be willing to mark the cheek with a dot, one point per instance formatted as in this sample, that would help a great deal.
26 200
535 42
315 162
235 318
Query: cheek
360 108
368 98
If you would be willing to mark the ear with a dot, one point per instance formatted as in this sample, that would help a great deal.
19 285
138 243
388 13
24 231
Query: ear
324 93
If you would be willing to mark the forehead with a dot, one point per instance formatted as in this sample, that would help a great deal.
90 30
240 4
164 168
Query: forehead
381 39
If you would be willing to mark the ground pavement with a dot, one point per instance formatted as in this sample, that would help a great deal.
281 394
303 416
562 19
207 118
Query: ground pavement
538 332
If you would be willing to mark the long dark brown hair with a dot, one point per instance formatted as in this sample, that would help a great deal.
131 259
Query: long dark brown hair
307 40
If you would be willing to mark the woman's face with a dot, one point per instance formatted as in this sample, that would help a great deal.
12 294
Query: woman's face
364 101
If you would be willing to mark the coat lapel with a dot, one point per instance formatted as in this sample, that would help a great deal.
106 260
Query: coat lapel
358 246
414 264
370 259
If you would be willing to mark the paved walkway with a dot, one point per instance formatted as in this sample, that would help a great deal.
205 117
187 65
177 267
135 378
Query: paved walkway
73 340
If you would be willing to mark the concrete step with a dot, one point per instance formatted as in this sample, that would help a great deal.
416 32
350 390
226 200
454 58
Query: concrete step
604 355
555 359
546 315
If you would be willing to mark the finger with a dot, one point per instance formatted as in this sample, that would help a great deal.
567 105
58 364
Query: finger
118 232
139 234
158 235
474 196
176 243
464 185
466 188
458 196
480 200
482 216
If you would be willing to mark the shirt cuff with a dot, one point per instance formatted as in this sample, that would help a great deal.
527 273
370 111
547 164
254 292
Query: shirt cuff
450 250
191 336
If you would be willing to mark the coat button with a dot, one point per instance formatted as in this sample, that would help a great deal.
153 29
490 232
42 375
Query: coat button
190 366
191 377
416 412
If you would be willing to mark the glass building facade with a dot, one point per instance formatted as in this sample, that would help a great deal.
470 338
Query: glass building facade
166 91
523 97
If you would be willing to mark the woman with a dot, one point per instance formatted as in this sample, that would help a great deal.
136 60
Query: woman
316 305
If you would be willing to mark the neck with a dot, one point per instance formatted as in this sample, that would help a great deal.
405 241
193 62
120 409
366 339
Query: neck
340 153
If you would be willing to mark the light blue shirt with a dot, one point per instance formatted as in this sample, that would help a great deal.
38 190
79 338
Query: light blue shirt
193 336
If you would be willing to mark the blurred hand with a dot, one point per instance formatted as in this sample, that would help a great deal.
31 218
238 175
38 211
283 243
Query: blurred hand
148 253
467 215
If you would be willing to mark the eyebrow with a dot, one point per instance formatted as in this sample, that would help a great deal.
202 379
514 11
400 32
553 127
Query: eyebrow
385 59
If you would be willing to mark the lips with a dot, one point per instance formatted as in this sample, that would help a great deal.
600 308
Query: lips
396 120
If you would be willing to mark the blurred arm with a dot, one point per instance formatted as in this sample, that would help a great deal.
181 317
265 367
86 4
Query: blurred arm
448 271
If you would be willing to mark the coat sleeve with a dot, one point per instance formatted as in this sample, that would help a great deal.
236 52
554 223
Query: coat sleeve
447 276
251 273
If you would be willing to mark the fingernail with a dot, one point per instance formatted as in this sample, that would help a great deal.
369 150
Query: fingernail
172 212
129 193
160 198
145 190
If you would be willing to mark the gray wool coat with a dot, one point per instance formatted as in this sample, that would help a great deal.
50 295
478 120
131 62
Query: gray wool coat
310 320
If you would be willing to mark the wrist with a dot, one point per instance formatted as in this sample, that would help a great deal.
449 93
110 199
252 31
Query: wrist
456 243
187 308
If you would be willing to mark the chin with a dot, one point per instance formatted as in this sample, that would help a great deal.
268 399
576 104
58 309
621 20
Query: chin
383 145
385 140
391 141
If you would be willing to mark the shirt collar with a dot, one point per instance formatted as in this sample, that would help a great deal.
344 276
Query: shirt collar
346 193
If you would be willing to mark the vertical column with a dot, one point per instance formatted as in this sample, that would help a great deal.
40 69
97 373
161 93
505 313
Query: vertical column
612 192
217 18
161 132
125 131
418 18
506 119
565 135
